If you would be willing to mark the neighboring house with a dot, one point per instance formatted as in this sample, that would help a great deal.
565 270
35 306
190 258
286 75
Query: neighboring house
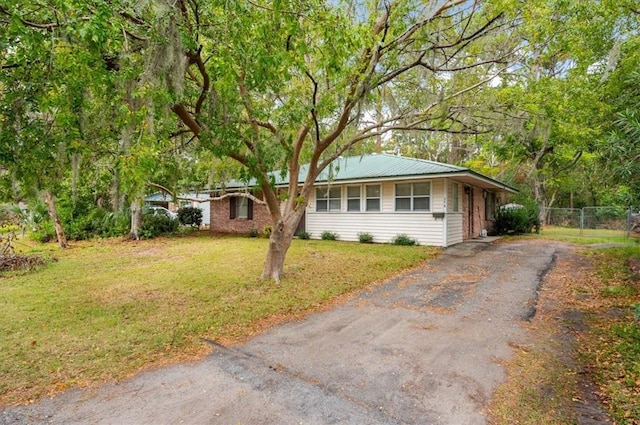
384 195
165 200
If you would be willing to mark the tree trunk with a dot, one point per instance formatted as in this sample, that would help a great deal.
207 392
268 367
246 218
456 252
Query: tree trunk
540 197
136 218
279 243
53 214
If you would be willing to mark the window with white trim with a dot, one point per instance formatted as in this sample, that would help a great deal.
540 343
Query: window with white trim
328 199
413 196
372 197
490 205
353 198
455 201
240 207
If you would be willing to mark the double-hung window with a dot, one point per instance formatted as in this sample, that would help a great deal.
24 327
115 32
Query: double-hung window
328 199
240 207
353 198
372 193
455 195
490 205
413 196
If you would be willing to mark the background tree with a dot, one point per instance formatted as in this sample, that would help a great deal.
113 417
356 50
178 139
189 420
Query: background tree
552 98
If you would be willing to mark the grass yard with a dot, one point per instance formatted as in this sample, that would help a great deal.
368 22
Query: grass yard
574 235
612 348
108 309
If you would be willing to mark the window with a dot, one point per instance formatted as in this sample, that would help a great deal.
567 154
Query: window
489 205
413 196
372 197
455 201
240 207
328 199
353 198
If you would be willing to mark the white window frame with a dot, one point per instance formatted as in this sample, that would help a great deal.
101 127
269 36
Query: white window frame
354 198
242 207
489 205
324 194
367 198
412 197
455 194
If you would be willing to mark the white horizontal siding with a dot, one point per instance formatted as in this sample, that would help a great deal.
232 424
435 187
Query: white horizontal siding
386 224
388 200
454 228
383 226
437 195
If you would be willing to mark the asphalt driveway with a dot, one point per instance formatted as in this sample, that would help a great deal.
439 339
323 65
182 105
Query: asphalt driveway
423 348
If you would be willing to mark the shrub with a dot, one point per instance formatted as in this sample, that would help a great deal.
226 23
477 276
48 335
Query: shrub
404 239
190 216
266 231
155 225
44 233
329 236
98 222
304 235
365 237
515 221
253 232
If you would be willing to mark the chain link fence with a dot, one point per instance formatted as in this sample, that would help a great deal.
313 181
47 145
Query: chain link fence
604 222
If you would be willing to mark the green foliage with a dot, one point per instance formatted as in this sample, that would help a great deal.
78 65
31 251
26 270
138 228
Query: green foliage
253 232
190 216
328 235
404 240
97 222
157 224
304 235
266 231
44 233
365 237
513 221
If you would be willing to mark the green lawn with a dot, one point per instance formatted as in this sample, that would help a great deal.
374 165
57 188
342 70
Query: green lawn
107 309
587 234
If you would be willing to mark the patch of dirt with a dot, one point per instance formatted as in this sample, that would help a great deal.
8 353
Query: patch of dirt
548 366
634 265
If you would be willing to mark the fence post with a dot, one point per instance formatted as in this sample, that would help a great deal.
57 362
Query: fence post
628 229
581 221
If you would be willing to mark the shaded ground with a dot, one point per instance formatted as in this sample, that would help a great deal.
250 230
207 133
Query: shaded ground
427 347
546 384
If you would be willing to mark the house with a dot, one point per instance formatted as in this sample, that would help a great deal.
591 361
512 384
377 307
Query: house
383 195
162 199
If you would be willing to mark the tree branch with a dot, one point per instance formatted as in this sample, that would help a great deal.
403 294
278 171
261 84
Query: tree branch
315 102
209 199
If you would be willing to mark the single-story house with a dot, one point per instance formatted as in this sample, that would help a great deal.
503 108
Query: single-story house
162 199
383 195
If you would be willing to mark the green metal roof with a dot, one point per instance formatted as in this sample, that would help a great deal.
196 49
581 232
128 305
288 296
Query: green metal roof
382 167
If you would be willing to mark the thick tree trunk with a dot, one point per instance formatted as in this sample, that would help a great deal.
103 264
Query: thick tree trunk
136 218
540 196
53 214
279 243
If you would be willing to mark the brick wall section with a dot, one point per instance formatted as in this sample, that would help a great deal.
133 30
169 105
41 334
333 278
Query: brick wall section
479 214
221 223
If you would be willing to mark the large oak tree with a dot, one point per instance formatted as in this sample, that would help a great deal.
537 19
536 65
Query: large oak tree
272 84
277 84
